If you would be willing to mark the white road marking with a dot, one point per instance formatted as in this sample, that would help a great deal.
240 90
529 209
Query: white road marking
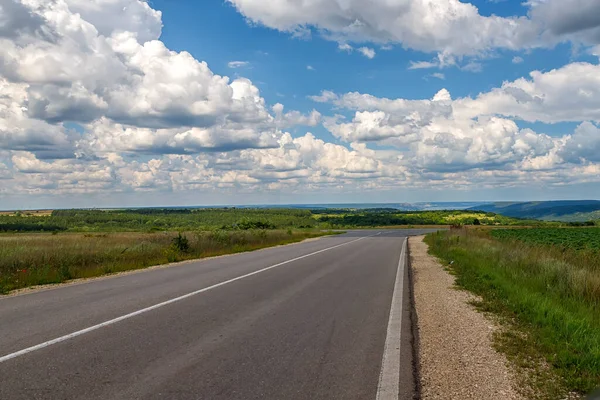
389 378
164 303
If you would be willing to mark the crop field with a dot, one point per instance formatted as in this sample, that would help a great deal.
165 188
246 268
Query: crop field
563 238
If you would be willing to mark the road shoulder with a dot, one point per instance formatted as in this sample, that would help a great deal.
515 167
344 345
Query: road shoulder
456 356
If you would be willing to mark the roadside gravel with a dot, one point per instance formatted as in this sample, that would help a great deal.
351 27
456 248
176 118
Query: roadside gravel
456 357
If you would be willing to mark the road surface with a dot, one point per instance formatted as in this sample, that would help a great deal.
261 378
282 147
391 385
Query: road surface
323 319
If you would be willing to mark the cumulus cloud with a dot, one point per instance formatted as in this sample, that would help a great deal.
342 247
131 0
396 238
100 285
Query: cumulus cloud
448 27
444 135
569 93
99 63
92 101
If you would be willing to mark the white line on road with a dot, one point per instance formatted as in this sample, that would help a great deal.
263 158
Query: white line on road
164 303
389 378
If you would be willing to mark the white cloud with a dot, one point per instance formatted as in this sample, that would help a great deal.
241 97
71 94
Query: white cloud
99 63
517 60
294 118
155 119
423 64
310 68
569 93
367 52
447 27
238 64
451 26
451 135
345 47
438 75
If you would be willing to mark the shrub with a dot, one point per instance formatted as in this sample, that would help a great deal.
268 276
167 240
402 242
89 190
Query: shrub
181 243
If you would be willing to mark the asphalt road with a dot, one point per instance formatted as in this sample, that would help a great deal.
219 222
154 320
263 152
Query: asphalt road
306 321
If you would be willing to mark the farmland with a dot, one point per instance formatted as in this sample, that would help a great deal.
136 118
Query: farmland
563 238
543 284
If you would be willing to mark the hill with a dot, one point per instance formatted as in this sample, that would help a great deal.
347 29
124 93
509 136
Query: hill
565 210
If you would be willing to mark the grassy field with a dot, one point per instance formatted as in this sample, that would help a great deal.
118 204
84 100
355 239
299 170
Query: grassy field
544 285
42 258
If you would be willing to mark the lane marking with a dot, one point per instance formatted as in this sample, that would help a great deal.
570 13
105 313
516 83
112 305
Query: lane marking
389 378
164 303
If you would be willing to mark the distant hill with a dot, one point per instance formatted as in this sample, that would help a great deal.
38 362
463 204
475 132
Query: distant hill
566 211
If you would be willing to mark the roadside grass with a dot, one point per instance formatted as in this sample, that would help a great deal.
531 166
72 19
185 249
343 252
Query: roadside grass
547 298
37 259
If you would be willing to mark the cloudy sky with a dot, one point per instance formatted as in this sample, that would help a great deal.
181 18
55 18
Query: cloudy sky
109 103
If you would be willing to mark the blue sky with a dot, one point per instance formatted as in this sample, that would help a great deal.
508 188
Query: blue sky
330 100
215 32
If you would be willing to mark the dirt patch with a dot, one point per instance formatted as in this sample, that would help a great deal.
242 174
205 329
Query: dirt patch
456 356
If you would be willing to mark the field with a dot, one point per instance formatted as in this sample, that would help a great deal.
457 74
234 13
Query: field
55 246
176 219
42 258
544 286
563 238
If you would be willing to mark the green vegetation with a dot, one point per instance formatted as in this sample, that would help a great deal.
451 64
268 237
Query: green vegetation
562 238
385 217
544 284
41 258
180 219
55 246
149 220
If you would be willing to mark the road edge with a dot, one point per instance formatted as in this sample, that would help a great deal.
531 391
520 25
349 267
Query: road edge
414 322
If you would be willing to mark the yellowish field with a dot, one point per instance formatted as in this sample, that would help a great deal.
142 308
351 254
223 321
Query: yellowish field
30 213
34 259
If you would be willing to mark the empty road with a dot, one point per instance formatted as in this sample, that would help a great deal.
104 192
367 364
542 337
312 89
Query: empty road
323 319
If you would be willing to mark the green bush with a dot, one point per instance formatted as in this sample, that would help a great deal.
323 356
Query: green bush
181 243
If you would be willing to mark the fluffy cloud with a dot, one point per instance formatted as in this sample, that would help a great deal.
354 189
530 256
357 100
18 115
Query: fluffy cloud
576 19
570 93
92 101
449 27
442 134
367 52
99 63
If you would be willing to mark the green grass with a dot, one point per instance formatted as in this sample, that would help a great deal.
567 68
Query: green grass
36 259
549 297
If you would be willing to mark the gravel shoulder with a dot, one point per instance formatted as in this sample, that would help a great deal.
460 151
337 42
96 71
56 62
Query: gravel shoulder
456 356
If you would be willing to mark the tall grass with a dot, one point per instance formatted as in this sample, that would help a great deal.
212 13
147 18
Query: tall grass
35 259
551 295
